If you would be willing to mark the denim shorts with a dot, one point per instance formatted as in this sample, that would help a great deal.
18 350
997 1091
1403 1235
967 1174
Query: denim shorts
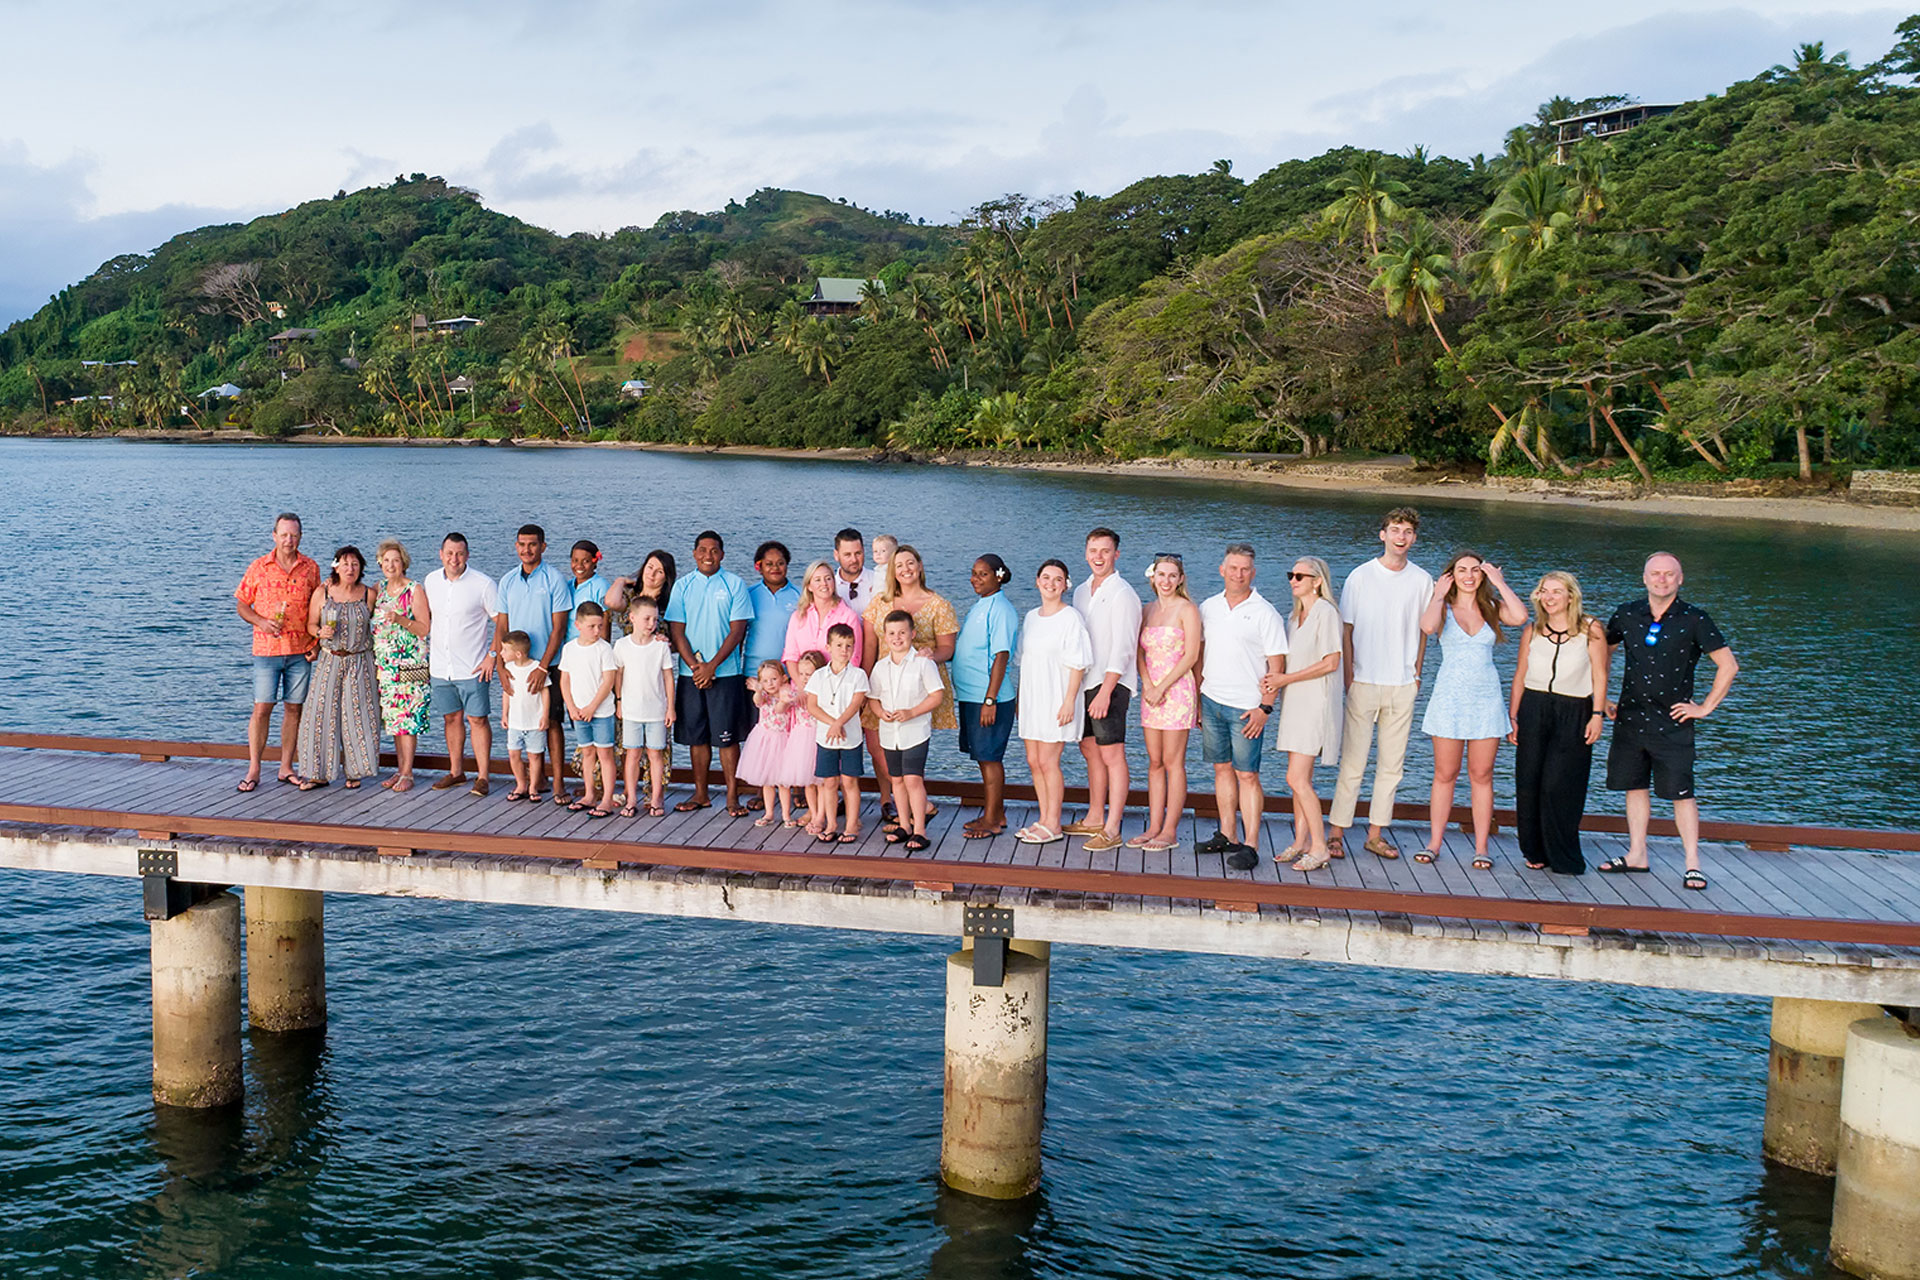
838 762
1222 740
281 678
906 762
597 732
985 744
451 697
651 734
531 741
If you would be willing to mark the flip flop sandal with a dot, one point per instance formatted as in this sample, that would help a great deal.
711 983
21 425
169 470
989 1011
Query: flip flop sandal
1619 866
767 821
247 784
689 806
1693 880
847 837
575 807
655 811
599 813
310 784
915 844
1426 855
516 795
629 811
1483 863
738 811
894 836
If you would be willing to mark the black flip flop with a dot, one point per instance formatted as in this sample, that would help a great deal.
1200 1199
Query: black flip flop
914 844
1619 866
1693 880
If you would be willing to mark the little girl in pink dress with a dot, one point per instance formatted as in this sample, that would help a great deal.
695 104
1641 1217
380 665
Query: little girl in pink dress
767 761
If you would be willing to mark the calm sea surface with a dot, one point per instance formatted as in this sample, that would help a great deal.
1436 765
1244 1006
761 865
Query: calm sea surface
513 1092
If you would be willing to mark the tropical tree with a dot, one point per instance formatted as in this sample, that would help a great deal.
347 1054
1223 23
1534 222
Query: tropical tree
1368 199
819 350
1535 209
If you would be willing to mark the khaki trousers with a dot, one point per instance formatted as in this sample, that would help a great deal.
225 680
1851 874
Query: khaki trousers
1391 707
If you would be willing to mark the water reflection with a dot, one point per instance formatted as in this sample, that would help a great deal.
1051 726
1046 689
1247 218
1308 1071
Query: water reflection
985 1239
1789 1222
185 1227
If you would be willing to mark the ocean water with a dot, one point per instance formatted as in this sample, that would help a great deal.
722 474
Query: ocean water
511 1092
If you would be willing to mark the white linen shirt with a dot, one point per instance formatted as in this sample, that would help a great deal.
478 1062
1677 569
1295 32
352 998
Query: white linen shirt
462 633
1238 640
1112 615
1384 608
834 690
898 686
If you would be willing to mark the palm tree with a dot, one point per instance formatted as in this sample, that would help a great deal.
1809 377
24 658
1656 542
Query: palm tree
521 372
1591 185
920 303
819 350
1222 168
1412 273
1367 199
954 309
736 323
1533 212
873 301
788 324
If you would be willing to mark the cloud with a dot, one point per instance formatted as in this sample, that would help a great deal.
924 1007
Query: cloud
530 164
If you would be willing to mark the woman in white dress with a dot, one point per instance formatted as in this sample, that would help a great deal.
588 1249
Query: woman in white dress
1054 652
1311 715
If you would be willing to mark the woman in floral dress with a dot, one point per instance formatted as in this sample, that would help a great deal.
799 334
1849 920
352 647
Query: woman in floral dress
400 623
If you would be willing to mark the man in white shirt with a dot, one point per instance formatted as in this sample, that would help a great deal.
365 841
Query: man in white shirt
856 583
1380 604
1111 609
460 659
1245 640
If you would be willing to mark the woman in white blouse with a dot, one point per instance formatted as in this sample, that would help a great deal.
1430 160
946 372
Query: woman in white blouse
1054 653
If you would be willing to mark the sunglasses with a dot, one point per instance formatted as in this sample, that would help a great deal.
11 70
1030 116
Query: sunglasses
1653 634
1158 556
1295 576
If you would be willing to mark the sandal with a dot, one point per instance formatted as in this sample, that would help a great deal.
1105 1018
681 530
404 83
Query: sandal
246 784
576 806
1482 862
1159 846
1037 834
403 783
351 784
848 837
1380 848
1313 861
1336 847
656 811
517 795
629 811
1694 879
1293 851
893 835
827 837
600 813
688 806
310 784
1536 866
972 832
767 821
917 844
738 811
1618 866
1426 855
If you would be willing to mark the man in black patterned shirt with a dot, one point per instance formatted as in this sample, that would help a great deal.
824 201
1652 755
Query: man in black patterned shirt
1664 638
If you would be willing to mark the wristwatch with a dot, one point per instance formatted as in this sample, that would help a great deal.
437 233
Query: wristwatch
1266 708
989 702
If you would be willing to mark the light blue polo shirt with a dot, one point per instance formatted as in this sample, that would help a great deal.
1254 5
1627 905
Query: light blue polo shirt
531 599
767 633
990 628
708 607
594 589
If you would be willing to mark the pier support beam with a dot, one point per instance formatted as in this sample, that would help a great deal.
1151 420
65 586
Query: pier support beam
196 1005
996 1078
1806 1052
1876 1200
286 959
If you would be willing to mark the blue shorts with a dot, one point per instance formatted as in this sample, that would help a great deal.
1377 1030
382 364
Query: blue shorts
838 762
281 678
597 732
651 734
531 741
451 697
985 744
1222 740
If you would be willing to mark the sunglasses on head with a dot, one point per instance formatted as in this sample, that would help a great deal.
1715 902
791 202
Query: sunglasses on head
1158 556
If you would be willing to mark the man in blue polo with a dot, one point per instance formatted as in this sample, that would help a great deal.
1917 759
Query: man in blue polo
536 598
707 621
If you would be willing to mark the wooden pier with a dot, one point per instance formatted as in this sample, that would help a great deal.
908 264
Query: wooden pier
1826 922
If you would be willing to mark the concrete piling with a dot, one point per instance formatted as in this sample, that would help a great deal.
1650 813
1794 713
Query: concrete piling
996 1078
286 959
196 1005
1876 1200
1806 1054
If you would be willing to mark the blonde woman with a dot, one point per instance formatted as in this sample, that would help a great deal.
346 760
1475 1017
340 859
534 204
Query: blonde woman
400 626
1314 709
1169 698
1559 704
936 628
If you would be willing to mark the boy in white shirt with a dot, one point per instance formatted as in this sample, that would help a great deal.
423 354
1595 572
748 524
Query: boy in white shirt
907 686
646 703
588 670
835 695
523 715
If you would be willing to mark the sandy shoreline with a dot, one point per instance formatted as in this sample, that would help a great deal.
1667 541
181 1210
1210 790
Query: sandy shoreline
1383 479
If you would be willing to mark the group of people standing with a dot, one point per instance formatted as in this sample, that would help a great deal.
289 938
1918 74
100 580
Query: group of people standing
785 669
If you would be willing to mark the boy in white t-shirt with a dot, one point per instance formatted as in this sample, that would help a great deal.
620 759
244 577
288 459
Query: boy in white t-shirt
1380 603
907 686
523 714
588 671
835 695
646 703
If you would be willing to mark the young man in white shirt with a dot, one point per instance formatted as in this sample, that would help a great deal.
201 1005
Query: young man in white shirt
856 583
1111 609
1380 605
1245 641
460 659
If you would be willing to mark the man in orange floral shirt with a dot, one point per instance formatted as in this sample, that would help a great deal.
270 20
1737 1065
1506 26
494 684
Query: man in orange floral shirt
274 596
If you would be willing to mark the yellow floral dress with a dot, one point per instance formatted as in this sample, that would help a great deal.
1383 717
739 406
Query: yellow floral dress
933 619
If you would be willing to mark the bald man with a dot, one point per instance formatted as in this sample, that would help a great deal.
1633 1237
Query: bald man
1664 638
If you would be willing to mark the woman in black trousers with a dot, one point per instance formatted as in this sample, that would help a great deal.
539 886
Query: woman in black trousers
1559 706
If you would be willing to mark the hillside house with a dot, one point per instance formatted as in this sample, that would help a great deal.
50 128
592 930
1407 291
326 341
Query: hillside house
635 388
277 345
837 296
457 324
460 386
1605 125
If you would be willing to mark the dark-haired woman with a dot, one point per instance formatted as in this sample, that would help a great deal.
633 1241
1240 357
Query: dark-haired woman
1467 710
655 579
982 681
340 732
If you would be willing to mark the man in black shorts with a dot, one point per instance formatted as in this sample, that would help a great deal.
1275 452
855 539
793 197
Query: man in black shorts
1110 607
1664 638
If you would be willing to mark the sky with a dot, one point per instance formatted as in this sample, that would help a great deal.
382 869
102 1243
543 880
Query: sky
122 123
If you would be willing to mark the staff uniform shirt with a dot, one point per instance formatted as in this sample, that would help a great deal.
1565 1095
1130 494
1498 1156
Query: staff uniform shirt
708 605
531 599
834 691
767 633
860 591
1237 641
286 594
1383 608
594 589
643 678
463 610
898 686
587 665
1656 676
992 627
1112 615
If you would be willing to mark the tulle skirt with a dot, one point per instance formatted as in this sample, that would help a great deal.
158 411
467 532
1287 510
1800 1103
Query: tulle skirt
770 758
